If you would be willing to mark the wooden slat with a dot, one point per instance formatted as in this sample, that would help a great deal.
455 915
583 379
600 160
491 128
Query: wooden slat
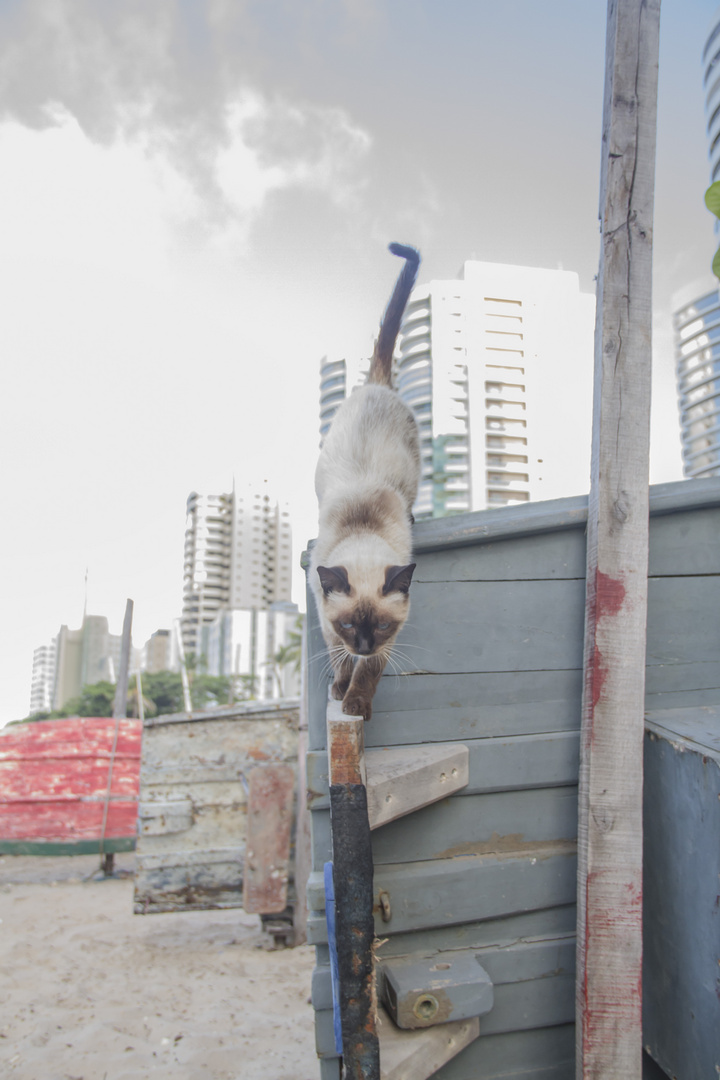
402 780
54 781
417 1055
494 764
446 892
610 825
267 850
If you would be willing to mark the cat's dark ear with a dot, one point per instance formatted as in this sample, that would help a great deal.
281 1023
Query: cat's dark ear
398 578
333 579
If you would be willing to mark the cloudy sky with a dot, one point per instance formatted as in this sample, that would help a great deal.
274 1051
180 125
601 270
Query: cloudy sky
195 202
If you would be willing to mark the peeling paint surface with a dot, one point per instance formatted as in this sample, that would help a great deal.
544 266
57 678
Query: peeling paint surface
54 780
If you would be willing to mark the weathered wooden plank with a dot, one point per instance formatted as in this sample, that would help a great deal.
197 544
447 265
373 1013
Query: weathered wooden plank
418 1055
470 705
285 710
681 936
685 544
267 845
212 882
609 1037
444 892
547 923
495 764
66 821
494 626
531 519
505 821
205 765
562 554
534 1001
216 750
160 817
401 780
548 556
78 738
536 1054
26 780
496 822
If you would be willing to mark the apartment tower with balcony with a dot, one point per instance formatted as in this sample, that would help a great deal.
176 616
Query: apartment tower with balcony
497 366
238 557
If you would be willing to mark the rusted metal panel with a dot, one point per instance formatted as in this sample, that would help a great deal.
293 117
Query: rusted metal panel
194 785
54 783
267 854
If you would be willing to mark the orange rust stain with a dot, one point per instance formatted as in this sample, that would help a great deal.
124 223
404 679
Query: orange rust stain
345 763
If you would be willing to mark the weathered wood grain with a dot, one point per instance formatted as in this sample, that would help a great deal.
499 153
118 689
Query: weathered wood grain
418 1055
54 781
682 880
444 892
470 825
494 764
609 1028
197 772
270 811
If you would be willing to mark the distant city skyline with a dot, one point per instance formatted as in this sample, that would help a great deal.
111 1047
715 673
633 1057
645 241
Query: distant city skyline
195 204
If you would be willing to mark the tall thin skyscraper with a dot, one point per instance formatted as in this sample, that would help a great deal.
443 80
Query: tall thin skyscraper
237 556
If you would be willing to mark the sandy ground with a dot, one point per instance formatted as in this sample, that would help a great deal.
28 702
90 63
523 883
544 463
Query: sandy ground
89 991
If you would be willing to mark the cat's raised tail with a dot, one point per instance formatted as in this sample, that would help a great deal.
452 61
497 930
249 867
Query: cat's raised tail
381 363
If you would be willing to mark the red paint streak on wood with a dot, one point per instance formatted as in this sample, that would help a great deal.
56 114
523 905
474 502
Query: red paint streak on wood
54 778
605 598
609 595
601 1000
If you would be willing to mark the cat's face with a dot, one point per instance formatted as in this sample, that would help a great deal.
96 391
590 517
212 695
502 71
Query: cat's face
366 616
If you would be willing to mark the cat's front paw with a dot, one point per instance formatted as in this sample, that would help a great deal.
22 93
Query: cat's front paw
357 705
339 689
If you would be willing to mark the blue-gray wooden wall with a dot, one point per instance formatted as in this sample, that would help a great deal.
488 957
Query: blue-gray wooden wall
492 657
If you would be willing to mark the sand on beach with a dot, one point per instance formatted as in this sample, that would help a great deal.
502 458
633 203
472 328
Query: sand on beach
89 991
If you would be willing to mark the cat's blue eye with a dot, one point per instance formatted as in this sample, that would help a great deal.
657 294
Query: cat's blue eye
346 625
383 625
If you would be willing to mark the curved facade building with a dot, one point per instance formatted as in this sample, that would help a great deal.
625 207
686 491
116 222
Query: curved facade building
696 312
333 390
697 349
711 88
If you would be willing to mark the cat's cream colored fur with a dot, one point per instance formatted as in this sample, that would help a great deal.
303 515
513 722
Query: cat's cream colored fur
366 482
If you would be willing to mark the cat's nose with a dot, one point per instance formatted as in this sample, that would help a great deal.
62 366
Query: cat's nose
364 647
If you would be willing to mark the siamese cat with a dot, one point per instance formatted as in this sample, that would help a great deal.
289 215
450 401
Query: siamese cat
366 482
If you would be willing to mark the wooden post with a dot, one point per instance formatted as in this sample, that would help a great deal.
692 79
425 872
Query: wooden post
119 713
352 871
609 983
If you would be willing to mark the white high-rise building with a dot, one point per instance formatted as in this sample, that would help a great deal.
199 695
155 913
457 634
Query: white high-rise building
497 366
696 313
43 678
238 555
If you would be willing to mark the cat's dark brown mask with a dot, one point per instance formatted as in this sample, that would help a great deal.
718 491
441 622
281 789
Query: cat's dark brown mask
366 623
